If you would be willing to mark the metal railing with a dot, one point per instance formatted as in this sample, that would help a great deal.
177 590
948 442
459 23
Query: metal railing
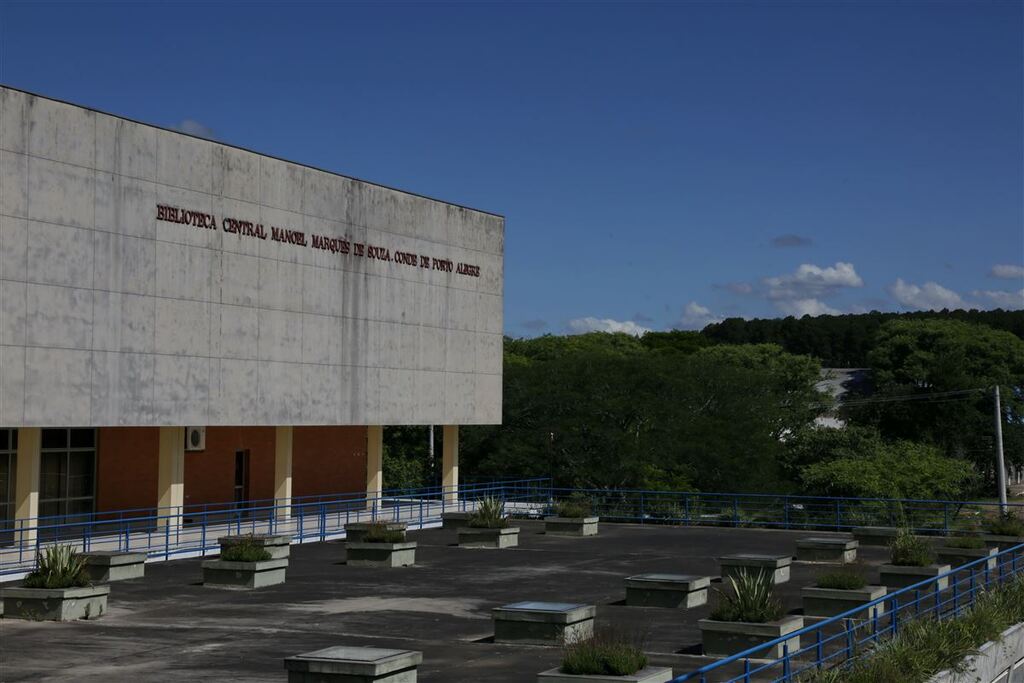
840 640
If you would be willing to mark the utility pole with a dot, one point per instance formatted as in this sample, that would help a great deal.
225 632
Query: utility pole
430 451
1000 465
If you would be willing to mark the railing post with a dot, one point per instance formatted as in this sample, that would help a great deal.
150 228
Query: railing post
819 650
945 518
787 672
746 670
686 508
839 515
785 512
895 607
849 639
642 514
735 511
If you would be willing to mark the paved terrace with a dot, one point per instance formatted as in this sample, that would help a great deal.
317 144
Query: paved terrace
168 627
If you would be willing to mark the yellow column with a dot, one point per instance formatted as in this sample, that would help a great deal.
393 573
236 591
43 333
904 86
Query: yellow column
171 476
450 463
374 462
26 486
283 472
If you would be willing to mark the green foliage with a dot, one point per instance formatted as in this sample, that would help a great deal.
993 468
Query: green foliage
489 514
965 542
604 655
59 566
1007 524
575 506
379 533
842 579
406 463
925 647
246 550
908 550
752 600
675 341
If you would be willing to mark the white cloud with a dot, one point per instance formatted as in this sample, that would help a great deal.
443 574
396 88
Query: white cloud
802 307
697 317
1007 272
1000 299
589 324
193 127
810 281
930 296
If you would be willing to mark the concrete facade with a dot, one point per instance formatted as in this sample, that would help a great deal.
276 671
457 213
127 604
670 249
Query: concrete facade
141 284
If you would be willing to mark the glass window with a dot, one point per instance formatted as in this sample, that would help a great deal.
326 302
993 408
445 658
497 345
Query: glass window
67 474
8 467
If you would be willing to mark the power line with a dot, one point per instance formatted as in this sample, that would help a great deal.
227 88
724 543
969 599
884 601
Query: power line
937 397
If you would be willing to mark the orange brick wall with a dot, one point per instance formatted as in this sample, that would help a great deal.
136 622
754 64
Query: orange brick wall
127 463
210 474
328 460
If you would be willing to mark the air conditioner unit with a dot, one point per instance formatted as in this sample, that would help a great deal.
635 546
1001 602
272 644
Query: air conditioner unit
195 438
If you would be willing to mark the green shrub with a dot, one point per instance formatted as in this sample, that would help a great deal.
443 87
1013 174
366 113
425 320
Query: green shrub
752 600
379 533
908 550
604 655
966 542
842 579
1007 524
59 567
577 506
489 514
245 550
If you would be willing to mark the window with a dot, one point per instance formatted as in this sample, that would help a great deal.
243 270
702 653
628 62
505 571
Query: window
8 461
67 486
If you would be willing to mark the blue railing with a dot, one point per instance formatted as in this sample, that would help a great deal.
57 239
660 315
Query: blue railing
840 640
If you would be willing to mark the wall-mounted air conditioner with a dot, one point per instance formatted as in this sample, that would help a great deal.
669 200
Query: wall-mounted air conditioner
195 438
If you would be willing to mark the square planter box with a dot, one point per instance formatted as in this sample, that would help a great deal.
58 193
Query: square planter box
774 566
471 537
356 531
55 604
454 520
1003 542
104 566
894 577
369 554
243 575
957 557
875 535
571 526
826 549
828 602
724 638
650 674
354 665
667 590
278 546
543 623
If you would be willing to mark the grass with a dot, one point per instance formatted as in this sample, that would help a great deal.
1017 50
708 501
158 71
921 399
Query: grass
607 654
59 567
489 514
1007 524
379 533
245 551
966 543
925 647
842 579
908 550
752 600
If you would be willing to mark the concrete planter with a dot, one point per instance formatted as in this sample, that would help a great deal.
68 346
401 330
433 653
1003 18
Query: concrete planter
828 602
724 638
893 576
993 660
454 520
356 531
1002 542
279 546
650 674
472 537
55 604
827 549
372 554
104 566
774 566
667 590
571 526
875 535
354 665
957 557
243 575
543 623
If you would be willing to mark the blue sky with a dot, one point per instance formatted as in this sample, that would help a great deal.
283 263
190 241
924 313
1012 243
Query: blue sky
659 165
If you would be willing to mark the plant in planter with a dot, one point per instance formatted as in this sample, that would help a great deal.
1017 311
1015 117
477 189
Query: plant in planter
605 655
911 560
488 527
839 591
573 517
748 616
961 550
381 546
245 563
1005 531
58 590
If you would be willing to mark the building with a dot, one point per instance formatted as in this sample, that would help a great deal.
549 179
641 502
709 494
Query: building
155 284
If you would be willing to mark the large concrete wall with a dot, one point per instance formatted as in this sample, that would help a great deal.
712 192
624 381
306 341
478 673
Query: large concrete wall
112 313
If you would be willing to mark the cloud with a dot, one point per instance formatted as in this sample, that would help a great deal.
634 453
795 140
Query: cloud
589 324
1000 299
812 282
930 296
535 325
1007 272
802 307
697 317
193 127
791 240
736 287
